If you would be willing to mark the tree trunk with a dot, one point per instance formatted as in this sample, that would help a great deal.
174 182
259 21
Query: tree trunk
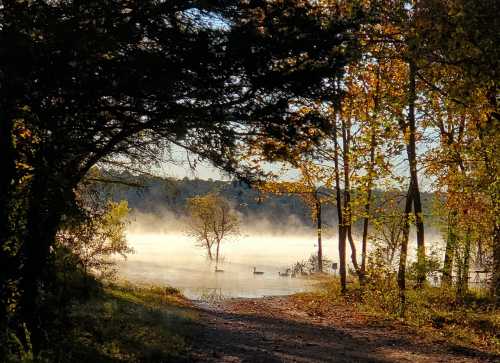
412 159
209 252
404 252
353 252
320 246
346 141
463 273
366 220
369 182
46 204
495 281
217 254
341 227
8 241
451 242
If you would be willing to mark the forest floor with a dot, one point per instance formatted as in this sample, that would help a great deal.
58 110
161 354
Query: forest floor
279 329
130 323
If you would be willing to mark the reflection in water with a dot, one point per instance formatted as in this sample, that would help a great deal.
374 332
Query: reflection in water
173 259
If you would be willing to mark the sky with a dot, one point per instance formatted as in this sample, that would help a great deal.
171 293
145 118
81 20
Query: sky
183 166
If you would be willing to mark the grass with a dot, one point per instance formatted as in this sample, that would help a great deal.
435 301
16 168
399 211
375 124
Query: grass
126 323
434 312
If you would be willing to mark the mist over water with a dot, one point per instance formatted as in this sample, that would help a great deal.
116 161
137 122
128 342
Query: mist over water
175 260
165 255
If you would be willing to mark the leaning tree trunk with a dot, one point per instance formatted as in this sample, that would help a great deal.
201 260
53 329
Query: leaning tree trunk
209 252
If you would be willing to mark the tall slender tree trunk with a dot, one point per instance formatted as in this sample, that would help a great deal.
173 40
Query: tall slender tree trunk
491 169
412 159
346 141
449 255
495 281
8 241
366 220
340 217
404 251
369 182
320 242
463 273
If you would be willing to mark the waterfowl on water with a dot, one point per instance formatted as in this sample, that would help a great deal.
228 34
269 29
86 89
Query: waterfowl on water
284 274
255 272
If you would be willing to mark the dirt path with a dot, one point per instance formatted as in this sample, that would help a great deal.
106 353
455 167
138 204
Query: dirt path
277 329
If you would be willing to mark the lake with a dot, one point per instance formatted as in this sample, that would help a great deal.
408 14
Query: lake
175 260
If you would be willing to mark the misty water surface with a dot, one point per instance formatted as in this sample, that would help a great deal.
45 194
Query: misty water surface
174 259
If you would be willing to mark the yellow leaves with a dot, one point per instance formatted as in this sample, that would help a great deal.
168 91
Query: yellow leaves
108 56
24 134
285 187
23 166
117 212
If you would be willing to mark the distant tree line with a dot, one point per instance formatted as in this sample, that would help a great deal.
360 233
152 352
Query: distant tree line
153 194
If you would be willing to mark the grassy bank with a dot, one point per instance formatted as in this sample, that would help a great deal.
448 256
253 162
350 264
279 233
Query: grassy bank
431 312
122 323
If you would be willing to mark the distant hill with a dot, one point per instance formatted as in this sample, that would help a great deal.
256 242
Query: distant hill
155 195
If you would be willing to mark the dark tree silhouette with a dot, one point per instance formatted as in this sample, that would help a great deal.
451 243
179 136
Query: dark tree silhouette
83 82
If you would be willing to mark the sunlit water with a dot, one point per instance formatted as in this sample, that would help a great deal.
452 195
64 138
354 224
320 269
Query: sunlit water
175 260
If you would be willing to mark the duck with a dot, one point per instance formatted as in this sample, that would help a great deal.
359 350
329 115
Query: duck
255 272
284 274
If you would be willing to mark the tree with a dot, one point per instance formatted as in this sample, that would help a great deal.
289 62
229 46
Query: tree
310 191
97 238
211 221
108 81
460 43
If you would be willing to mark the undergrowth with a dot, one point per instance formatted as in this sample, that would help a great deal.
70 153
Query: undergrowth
128 324
472 322
117 323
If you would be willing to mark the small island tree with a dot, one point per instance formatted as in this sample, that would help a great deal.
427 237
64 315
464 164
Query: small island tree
211 220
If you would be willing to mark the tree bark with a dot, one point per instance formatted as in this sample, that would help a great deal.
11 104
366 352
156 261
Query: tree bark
46 205
412 155
463 273
341 227
8 242
319 225
346 141
369 182
410 129
404 252
353 252
366 220
217 254
449 255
